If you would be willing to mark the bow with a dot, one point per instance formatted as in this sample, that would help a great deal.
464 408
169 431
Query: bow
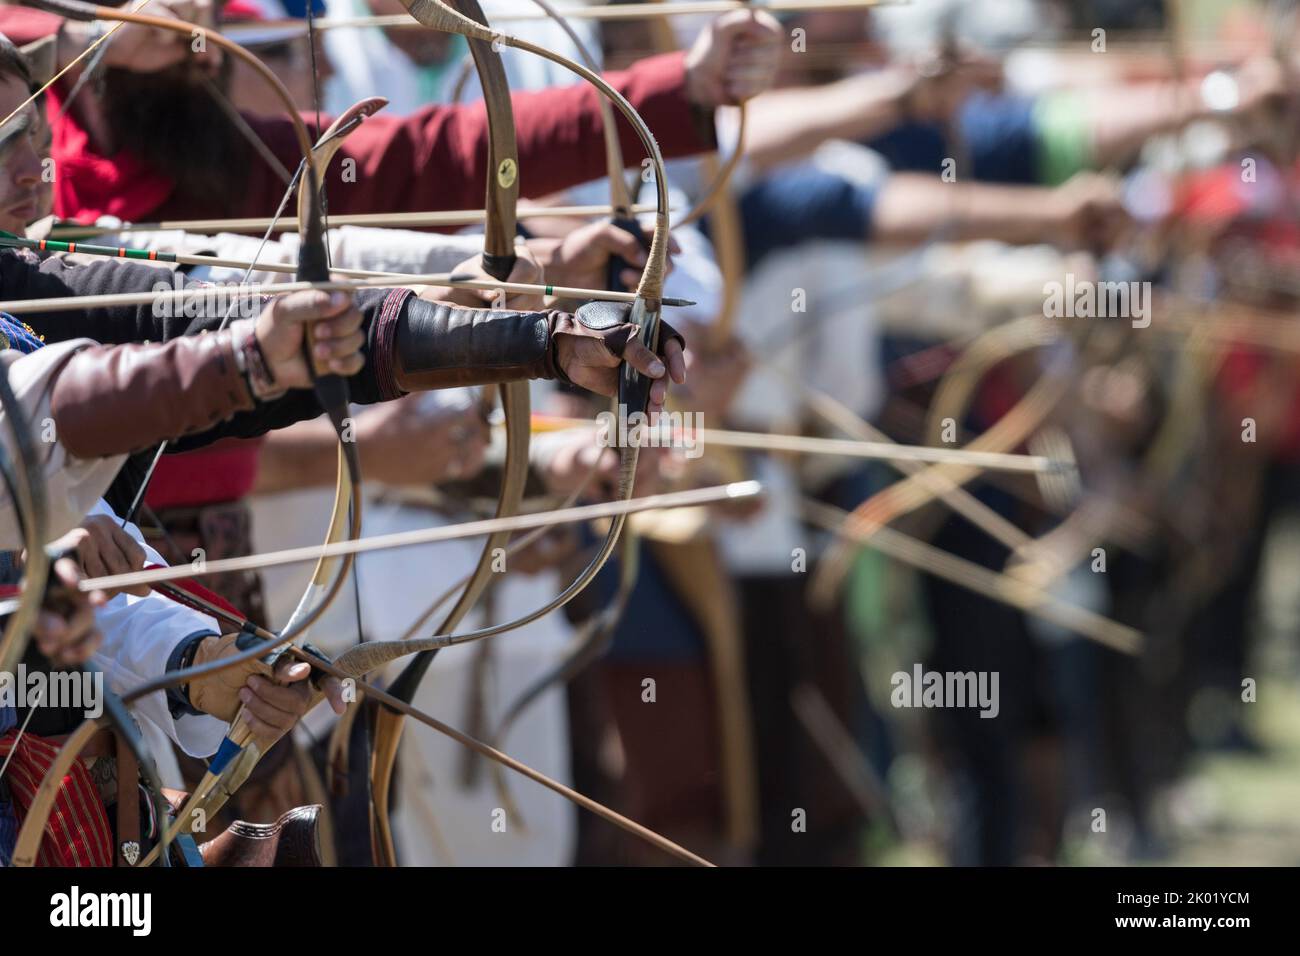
498 261
595 633
724 223
361 659
633 391
313 266
239 752
331 390
28 496
918 489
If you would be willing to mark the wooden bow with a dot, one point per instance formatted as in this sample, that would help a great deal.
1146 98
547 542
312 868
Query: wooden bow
331 389
498 261
633 392
239 753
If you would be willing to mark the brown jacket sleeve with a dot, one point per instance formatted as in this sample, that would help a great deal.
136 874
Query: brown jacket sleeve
111 400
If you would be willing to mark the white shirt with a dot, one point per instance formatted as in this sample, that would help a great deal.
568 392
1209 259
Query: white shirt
140 634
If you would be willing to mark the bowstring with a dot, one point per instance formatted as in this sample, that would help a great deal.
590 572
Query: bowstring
94 63
252 265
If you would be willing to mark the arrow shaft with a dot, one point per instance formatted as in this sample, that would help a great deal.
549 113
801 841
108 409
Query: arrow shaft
396 220
403 539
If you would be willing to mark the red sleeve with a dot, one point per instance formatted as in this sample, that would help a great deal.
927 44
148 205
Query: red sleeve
436 158
24 25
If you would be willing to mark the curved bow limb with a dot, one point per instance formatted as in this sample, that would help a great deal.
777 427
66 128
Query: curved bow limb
593 634
492 753
239 752
588 644
499 260
868 524
27 489
359 660
975 577
36 821
313 258
32 831
388 724
633 388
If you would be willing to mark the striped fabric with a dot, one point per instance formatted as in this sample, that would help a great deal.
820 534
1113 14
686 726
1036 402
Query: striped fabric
78 828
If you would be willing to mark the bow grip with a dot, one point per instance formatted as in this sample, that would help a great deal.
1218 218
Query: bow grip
331 388
633 387
499 267
617 265
58 596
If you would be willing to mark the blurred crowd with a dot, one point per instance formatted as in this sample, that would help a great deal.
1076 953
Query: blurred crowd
1056 228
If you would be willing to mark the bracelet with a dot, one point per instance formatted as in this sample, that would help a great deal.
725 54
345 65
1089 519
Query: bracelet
257 373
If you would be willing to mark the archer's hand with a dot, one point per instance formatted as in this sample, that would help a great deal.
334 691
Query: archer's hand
717 374
272 705
218 694
734 59
589 346
585 461
406 443
1086 211
580 258
275 699
143 49
336 327
102 548
527 270
65 630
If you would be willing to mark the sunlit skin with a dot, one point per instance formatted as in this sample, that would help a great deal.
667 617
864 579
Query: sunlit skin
24 146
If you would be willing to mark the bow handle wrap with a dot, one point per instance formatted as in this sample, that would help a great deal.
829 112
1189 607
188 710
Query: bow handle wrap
313 266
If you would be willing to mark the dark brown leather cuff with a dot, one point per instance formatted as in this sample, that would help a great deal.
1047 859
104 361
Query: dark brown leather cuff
113 400
442 346
437 345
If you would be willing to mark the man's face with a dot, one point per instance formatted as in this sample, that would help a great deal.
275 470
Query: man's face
24 144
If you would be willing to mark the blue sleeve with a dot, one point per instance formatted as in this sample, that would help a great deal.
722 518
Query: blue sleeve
802 203
998 131
1001 138
913 148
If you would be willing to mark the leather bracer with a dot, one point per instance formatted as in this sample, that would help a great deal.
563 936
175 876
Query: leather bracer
436 345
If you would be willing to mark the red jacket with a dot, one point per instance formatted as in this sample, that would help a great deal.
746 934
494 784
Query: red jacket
436 158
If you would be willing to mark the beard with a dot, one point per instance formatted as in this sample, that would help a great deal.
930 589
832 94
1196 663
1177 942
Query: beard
172 121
